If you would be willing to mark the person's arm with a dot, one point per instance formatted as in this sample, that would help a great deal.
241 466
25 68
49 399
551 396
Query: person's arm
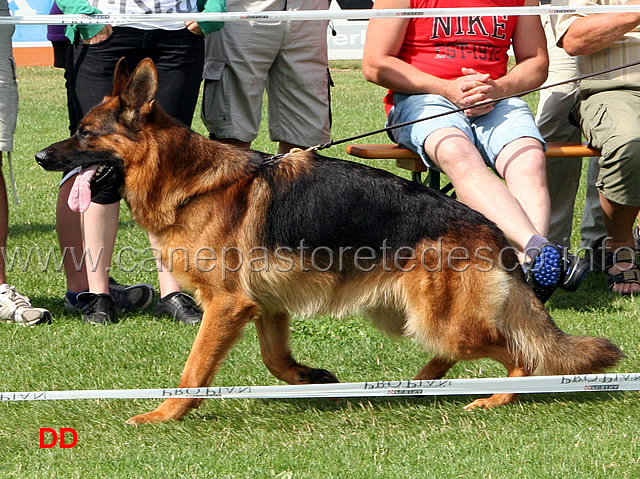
592 33
380 63
209 6
532 59
85 32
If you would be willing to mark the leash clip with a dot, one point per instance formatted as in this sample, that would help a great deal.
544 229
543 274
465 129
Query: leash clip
279 156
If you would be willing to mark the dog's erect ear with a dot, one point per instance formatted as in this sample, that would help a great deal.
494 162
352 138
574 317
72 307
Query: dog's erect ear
143 85
120 77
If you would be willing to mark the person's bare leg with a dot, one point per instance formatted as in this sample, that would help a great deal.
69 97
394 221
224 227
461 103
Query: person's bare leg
4 223
69 229
619 220
522 165
100 226
166 281
477 186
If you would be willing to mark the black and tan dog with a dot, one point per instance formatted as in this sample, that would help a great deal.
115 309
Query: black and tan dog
259 238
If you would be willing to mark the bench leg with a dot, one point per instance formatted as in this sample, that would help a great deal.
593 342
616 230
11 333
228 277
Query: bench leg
434 179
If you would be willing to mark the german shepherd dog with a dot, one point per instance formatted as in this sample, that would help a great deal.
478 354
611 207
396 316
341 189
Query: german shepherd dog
261 238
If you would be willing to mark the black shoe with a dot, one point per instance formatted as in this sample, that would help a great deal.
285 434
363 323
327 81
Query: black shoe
544 273
180 306
574 271
100 308
636 238
129 298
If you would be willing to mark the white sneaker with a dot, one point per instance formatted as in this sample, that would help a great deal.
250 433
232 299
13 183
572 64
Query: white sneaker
15 307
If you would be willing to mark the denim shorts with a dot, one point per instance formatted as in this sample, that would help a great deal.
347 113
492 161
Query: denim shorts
509 120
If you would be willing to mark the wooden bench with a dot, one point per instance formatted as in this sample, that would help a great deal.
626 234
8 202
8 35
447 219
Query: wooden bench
408 160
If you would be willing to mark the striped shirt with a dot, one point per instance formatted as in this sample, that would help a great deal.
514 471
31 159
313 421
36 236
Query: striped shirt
619 53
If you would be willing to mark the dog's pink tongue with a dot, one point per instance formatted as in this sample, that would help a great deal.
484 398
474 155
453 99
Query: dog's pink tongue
80 194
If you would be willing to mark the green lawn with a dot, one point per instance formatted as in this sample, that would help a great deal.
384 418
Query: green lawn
542 436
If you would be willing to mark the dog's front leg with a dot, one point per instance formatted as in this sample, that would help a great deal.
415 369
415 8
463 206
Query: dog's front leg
222 323
273 334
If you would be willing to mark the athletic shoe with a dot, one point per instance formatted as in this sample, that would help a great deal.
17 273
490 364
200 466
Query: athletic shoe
16 308
137 297
74 306
544 273
127 298
100 308
574 271
179 306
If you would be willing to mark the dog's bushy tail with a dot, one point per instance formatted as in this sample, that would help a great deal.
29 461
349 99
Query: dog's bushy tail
542 347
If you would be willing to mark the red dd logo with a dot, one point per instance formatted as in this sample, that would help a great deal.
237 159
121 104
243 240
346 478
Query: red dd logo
49 437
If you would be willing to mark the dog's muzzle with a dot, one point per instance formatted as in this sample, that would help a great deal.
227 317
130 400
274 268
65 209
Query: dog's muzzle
44 160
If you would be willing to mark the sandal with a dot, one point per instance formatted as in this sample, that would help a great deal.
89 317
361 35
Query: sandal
630 276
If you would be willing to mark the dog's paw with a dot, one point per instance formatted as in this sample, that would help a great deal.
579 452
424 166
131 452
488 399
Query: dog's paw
479 404
152 417
493 401
317 376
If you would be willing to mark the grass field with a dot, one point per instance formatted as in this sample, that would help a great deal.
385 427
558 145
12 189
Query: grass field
573 435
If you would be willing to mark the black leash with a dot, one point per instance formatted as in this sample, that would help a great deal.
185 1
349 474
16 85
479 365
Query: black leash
458 110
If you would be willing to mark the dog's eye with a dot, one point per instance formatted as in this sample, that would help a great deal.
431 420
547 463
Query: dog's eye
83 132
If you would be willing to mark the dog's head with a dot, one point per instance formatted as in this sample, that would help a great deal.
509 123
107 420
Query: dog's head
108 134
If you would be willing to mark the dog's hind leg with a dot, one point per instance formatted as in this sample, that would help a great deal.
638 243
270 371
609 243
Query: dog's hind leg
436 368
273 334
501 354
223 320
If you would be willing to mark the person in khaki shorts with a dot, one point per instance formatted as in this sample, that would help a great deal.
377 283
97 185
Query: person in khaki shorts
14 307
288 59
563 174
609 115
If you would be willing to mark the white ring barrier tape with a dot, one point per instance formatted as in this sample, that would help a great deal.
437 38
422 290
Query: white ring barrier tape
440 387
355 14
436 387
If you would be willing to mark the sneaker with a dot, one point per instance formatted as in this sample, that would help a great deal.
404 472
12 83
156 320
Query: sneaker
127 298
180 306
100 308
16 308
74 306
574 270
136 297
544 273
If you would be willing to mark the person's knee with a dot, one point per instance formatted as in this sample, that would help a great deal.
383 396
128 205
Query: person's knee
452 151
534 165
522 157
620 174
